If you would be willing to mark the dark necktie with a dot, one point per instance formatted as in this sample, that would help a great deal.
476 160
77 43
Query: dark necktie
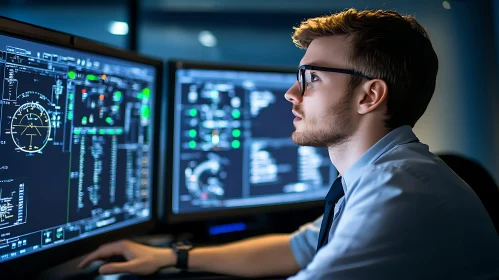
334 194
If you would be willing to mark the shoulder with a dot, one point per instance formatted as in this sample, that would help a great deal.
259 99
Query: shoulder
405 173
405 166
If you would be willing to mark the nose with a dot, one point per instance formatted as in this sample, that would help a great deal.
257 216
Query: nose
293 94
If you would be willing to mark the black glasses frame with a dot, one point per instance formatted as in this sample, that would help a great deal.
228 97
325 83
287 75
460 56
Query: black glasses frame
303 83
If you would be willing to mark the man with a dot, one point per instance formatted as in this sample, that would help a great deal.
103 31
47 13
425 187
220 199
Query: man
366 78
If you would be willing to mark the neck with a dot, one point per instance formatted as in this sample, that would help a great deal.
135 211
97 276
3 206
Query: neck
347 153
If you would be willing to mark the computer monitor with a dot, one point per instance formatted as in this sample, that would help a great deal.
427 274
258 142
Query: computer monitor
230 144
78 142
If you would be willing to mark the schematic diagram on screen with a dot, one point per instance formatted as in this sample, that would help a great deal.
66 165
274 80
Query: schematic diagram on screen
30 127
213 113
204 180
12 203
33 103
77 134
233 150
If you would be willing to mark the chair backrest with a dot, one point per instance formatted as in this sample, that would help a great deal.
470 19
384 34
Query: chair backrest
475 175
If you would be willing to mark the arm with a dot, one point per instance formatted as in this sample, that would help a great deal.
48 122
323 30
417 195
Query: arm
268 255
261 256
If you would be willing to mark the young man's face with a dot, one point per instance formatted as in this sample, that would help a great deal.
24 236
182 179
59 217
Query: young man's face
326 112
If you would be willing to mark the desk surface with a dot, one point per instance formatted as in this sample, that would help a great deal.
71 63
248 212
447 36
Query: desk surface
172 274
69 271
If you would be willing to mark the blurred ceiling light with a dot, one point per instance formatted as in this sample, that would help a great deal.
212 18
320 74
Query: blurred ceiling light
207 39
446 5
118 28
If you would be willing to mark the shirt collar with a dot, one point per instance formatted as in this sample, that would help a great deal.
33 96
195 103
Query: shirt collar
398 136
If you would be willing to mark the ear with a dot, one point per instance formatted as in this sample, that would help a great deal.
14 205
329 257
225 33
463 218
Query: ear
373 95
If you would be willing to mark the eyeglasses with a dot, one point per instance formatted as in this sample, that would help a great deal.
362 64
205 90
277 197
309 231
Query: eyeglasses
304 77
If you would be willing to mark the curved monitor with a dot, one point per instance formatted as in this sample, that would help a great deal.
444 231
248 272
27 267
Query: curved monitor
230 129
77 139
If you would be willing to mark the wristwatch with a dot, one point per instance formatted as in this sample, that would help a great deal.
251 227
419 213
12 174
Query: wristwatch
182 249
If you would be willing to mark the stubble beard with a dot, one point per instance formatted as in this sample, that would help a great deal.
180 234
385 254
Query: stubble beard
332 129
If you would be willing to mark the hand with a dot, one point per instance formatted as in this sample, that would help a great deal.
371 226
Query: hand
141 259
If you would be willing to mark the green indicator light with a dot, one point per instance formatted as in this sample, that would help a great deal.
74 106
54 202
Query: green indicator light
193 112
92 131
236 114
236 132
109 120
71 74
84 120
70 116
192 133
70 106
145 112
77 131
146 92
70 96
236 144
119 131
117 96
139 95
92 77
192 144
110 131
102 131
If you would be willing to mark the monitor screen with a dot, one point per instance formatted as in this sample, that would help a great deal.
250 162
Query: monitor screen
75 145
232 146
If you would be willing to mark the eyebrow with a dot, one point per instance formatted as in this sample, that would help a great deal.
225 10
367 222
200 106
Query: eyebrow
321 63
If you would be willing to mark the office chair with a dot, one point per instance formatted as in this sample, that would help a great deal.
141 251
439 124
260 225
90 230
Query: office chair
479 180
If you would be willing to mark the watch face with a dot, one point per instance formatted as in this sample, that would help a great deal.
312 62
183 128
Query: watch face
183 245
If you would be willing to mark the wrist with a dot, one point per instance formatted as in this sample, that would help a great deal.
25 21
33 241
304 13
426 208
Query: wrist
166 257
181 250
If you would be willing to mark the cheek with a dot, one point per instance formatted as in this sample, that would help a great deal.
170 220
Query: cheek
316 108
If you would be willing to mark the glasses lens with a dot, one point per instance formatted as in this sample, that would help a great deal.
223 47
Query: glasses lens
299 78
307 78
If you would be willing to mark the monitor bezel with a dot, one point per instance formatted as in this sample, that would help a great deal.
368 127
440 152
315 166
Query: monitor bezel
167 216
34 263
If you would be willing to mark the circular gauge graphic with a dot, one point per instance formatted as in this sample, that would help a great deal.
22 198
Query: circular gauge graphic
205 180
30 127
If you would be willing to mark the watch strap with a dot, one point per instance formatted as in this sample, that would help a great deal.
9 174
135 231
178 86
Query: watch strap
182 258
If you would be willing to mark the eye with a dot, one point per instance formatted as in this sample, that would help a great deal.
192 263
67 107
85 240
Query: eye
314 77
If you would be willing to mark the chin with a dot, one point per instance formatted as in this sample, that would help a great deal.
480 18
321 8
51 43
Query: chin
300 139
